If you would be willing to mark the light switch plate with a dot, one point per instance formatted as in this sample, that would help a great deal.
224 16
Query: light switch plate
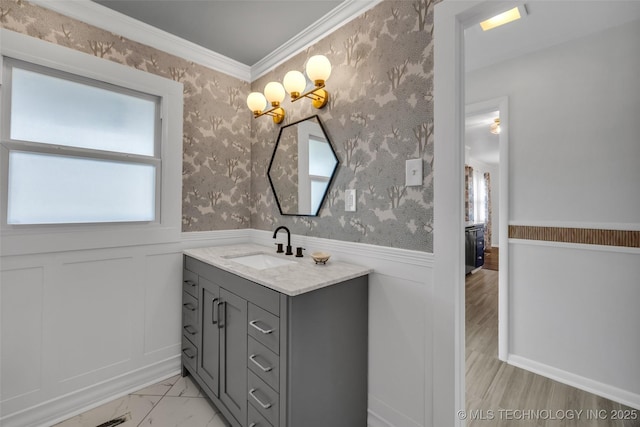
350 200
413 173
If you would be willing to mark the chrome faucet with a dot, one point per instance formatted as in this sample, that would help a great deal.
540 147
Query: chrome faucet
289 249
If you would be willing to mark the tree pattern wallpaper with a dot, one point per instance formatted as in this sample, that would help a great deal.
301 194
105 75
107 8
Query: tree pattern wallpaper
380 114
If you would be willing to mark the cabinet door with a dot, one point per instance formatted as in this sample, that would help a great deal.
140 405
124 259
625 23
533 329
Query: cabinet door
210 305
233 354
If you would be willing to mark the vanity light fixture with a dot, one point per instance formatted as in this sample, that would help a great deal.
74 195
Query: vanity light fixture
495 126
318 69
504 18
274 94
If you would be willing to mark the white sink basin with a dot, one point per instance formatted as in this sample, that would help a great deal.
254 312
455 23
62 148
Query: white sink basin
260 261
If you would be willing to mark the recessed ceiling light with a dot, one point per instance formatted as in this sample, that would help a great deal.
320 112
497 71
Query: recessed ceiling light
504 18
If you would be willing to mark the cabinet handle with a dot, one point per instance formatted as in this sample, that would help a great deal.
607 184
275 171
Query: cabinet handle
222 316
190 283
189 306
258 364
190 329
264 331
264 405
214 318
253 425
185 351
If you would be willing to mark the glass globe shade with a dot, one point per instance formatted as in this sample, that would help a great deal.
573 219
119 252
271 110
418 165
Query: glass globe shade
256 101
274 92
294 82
318 68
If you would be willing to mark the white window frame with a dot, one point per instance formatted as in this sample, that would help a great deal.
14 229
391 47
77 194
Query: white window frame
28 239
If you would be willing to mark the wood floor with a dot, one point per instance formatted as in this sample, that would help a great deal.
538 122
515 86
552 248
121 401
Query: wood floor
499 394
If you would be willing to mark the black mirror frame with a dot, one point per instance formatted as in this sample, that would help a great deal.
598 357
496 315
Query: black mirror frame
333 173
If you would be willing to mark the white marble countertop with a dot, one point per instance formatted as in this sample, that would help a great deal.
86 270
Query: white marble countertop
302 276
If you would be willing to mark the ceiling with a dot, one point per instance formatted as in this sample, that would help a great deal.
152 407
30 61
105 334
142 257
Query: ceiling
243 30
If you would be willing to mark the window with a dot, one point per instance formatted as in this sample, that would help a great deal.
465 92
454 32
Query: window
80 150
90 151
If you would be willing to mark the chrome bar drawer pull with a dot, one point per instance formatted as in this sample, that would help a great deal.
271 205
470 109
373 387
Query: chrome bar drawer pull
189 306
258 364
190 329
190 283
264 405
186 353
264 331
253 425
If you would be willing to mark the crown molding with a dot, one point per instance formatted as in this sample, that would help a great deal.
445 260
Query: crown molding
102 17
344 13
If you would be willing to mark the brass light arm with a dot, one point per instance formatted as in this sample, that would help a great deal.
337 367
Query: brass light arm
318 96
276 112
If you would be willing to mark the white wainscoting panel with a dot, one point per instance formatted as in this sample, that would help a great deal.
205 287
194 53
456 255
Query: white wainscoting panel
162 316
574 315
80 328
21 321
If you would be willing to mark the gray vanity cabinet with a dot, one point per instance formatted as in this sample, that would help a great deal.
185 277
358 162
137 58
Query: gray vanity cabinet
208 365
266 359
233 350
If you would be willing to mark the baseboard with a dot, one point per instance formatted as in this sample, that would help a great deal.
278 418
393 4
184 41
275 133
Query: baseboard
49 413
604 390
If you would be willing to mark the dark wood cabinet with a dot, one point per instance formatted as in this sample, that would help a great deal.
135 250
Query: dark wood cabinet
474 247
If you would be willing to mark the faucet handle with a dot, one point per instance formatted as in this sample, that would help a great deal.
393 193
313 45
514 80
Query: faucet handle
299 252
279 250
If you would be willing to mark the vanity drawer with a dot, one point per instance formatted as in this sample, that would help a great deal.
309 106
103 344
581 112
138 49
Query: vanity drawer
189 354
263 398
255 419
190 327
264 327
190 282
264 363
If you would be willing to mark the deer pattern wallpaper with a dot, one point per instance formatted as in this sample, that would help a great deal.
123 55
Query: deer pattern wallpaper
380 114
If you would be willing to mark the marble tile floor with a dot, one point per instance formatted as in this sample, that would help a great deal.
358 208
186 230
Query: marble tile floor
175 402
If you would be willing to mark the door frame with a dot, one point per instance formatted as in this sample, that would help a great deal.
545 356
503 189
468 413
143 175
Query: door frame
448 346
502 105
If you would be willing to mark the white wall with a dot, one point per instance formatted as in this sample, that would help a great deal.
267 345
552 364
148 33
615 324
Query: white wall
574 150
573 128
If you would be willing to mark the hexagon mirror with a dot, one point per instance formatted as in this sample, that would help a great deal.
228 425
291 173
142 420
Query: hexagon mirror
302 167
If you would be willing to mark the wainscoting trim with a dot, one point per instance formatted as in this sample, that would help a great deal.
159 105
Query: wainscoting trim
595 387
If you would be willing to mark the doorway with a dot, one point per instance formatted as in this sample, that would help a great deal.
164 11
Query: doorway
488 154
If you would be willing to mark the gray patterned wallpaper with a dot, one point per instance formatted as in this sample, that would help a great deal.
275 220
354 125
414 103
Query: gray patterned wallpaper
379 115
